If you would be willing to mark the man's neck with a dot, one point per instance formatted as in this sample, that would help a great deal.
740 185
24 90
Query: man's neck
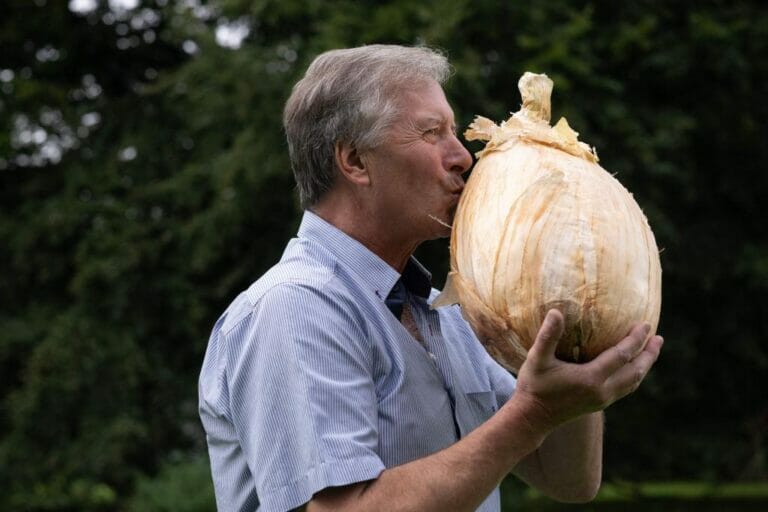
355 218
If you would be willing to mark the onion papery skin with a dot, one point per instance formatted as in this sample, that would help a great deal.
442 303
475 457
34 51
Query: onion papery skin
542 225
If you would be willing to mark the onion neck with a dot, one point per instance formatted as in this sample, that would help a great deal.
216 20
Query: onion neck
536 91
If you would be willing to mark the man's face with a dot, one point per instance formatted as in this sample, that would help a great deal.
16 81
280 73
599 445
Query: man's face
416 174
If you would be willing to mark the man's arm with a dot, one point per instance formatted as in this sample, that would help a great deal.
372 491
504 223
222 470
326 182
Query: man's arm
568 466
546 431
457 478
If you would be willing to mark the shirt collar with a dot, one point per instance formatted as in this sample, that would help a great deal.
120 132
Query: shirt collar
374 272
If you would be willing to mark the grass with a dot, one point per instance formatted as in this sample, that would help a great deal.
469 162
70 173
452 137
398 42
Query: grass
620 491
674 496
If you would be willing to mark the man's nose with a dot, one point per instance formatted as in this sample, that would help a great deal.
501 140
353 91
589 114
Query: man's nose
461 159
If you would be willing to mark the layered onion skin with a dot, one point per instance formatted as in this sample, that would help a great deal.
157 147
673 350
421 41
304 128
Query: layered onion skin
541 225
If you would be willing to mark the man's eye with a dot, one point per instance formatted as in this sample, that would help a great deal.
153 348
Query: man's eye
432 131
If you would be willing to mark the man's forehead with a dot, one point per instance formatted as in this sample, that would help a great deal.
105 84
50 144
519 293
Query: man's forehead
424 103
426 110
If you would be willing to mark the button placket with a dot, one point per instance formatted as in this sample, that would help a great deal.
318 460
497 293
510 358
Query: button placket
442 364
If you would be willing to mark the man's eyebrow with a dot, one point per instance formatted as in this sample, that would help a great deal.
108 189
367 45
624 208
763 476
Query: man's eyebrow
436 120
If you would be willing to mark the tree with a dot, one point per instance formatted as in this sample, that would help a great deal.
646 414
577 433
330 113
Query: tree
144 181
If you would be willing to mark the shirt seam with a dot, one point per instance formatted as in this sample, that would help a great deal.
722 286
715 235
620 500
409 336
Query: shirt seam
252 307
324 469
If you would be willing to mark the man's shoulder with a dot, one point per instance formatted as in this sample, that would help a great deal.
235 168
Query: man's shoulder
290 275
295 283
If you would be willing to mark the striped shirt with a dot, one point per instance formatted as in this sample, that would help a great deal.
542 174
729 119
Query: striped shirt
310 381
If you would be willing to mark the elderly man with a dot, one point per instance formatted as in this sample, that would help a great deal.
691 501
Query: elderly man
331 385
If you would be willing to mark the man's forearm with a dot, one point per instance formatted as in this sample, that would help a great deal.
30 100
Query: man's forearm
550 393
458 478
568 464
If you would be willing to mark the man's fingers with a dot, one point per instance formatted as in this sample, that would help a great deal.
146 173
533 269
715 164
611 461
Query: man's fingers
626 379
623 352
549 334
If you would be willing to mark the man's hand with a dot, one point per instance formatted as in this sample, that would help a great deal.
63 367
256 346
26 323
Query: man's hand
554 391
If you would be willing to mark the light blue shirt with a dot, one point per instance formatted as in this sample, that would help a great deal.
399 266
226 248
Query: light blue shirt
309 380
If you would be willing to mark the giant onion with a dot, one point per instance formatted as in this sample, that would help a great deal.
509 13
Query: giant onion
541 225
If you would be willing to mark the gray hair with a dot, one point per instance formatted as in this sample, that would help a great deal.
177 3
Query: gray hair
349 95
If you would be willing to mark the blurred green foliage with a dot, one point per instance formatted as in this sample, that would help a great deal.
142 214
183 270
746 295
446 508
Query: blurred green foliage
180 486
144 181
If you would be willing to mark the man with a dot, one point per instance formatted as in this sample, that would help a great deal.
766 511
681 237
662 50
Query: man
331 385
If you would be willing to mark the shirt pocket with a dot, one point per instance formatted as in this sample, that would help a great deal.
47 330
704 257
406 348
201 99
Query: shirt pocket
480 406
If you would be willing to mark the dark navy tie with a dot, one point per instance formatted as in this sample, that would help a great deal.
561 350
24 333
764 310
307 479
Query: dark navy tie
396 299
413 280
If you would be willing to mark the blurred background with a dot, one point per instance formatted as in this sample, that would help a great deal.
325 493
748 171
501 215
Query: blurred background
144 182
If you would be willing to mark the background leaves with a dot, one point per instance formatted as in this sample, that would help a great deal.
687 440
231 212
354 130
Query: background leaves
144 181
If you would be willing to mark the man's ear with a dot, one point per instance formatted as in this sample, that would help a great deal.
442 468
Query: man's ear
350 164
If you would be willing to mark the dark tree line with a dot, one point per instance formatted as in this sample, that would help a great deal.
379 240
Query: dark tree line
144 181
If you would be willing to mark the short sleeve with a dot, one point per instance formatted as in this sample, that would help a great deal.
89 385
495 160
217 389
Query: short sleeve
502 380
302 397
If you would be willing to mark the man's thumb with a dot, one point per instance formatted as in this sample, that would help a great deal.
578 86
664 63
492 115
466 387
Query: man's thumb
549 335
